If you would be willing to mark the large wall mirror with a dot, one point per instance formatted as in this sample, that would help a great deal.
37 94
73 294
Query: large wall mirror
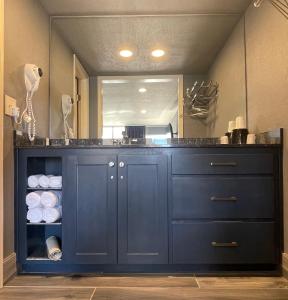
144 76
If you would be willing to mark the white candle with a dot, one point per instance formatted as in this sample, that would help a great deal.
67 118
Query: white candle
240 123
224 140
251 138
231 126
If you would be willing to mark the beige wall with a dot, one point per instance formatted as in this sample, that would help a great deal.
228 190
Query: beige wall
1 134
26 41
229 71
61 82
267 67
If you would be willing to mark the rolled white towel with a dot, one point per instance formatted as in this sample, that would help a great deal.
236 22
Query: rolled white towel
55 182
33 199
35 215
52 214
44 181
53 248
51 198
33 180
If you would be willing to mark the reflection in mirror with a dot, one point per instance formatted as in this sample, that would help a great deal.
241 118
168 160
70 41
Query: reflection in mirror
139 106
122 73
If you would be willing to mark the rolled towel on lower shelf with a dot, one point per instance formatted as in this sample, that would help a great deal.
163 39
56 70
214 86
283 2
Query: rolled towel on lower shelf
52 214
33 199
51 198
33 180
35 215
53 248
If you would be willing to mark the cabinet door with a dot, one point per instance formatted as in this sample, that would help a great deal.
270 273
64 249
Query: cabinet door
142 209
90 209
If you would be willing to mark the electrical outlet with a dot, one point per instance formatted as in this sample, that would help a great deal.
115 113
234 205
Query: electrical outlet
10 105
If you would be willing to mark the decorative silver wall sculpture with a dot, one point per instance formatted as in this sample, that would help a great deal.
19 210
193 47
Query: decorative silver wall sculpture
280 5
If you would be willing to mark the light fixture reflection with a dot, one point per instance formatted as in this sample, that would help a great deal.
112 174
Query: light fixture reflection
126 53
158 53
156 80
142 90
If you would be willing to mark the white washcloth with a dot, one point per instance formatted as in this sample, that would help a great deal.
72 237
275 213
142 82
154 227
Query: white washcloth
55 182
53 248
51 198
35 215
33 199
44 181
52 214
33 181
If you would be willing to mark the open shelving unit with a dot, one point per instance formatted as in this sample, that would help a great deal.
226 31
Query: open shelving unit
37 233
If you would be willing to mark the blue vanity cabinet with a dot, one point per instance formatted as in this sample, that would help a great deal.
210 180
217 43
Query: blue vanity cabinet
90 209
156 209
142 209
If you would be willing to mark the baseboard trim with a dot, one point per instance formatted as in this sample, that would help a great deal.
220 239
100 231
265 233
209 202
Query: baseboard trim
9 267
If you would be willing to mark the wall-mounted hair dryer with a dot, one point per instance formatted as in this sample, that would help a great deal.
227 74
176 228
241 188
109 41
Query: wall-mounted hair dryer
32 76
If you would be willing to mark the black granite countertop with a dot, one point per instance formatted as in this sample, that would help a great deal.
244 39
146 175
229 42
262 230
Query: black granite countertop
267 139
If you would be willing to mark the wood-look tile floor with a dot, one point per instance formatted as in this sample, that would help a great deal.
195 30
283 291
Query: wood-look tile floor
144 288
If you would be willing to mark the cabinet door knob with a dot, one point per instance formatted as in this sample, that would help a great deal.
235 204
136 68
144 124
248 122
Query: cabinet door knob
111 164
121 164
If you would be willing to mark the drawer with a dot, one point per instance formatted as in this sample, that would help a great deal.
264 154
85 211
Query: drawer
222 197
222 164
223 243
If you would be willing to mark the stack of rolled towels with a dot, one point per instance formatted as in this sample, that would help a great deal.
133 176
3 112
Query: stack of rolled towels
44 206
45 181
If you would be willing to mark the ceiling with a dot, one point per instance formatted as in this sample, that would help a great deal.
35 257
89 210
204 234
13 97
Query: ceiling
90 7
191 42
124 105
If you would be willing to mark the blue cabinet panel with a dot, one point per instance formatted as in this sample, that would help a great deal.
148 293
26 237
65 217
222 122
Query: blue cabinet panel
222 197
90 210
222 164
142 208
223 243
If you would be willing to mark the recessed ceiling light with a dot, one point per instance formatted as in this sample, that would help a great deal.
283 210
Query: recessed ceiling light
143 111
126 53
142 90
158 53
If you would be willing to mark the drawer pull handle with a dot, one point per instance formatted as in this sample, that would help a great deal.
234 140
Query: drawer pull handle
225 245
227 164
223 198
